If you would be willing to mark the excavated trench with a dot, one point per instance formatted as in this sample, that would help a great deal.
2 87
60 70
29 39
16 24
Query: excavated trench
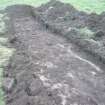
48 69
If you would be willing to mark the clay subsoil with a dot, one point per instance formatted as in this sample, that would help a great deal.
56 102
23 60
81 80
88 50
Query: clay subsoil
46 68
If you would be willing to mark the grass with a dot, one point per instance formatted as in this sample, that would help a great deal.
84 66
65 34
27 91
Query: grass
5 53
89 6
4 3
86 33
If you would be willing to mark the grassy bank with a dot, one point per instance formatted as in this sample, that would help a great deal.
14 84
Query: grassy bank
97 6
5 3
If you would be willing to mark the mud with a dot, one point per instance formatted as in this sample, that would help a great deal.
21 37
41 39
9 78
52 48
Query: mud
47 68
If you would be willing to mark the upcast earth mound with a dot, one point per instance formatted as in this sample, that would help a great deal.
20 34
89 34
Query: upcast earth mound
81 28
59 58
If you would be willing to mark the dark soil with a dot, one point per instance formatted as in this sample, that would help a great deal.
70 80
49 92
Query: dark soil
48 69
65 20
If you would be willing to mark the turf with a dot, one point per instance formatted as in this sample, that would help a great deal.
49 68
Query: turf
89 6
86 33
4 3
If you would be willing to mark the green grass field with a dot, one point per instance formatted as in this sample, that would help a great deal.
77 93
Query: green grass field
89 6
85 5
4 3
97 6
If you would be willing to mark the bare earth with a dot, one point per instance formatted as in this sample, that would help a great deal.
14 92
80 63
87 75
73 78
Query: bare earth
50 70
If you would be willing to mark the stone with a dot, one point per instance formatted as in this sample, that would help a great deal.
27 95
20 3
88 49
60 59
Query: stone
12 40
8 84
99 35
34 88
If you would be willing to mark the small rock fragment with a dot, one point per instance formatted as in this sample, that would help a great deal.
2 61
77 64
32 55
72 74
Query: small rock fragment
8 84
14 39
99 35
34 87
